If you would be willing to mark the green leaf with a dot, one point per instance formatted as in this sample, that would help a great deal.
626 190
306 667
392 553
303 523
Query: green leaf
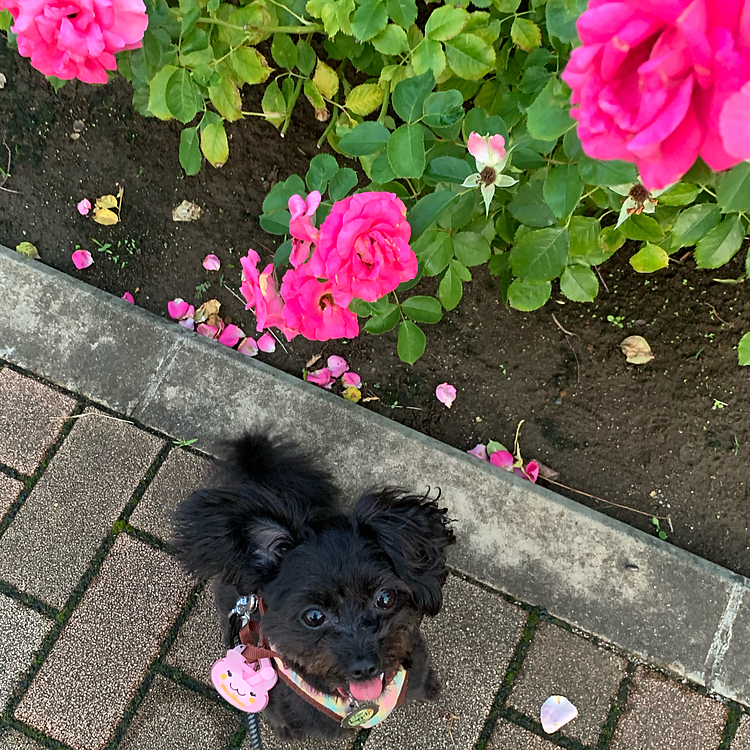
284 51
579 283
279 195
469 56
548 114
381 171
411 342
409 96
305 57
406 152
190 154
471 248
283 251
721 244
385 321
526 297
342 183
402 12
610 241
445 22
681 194
369 19
322 168
157 97
214 143
428 209
366 138
563 189
391 41
743 350
606 172
642 227
274 104
422 309
541 255
181 97
334 14
561 17
437 253
451 287
733 193
364 99
250 65
526 34
530 208
429 56
443 108
584 244
693 224
448 169
226 98
649 258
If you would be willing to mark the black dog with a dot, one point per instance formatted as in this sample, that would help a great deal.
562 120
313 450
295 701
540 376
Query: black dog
343 594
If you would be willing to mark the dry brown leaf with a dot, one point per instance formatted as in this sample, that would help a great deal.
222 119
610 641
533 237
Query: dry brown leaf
310 362
352 394
370 398
106 201
105 216
207 310
636 350
186 211
545 472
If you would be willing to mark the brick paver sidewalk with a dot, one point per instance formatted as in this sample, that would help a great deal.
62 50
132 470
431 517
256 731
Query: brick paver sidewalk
105 643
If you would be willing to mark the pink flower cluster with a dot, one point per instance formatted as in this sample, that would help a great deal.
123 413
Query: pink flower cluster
661 83
76 38
336 367
361 250
498 455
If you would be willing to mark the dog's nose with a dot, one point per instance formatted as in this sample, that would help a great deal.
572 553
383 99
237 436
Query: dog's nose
364 668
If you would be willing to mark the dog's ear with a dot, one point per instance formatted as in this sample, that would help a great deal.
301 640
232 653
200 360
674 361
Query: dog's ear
414 532
237 534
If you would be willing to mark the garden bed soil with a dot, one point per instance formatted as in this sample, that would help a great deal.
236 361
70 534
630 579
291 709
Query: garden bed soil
669 438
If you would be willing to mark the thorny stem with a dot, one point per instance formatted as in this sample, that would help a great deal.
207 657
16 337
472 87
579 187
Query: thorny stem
291 12
331 123
307 29
516 447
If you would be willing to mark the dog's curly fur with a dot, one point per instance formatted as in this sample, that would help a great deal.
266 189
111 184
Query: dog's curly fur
272 528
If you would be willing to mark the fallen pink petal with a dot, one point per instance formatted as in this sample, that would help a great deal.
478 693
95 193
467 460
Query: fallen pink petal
84 206
178 308
211 263
82 259
128 297
446 394
321 377
503 460
337 365
557 711
479 451
267 343
351 380
532 471
248 347
210 332
231 335
188 323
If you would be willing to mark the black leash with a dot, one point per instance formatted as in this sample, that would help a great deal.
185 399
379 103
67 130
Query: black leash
252 720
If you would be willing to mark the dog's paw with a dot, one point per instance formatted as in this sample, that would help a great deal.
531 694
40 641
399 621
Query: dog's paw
432 685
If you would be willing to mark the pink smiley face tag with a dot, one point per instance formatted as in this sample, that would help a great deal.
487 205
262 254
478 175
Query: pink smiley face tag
243 685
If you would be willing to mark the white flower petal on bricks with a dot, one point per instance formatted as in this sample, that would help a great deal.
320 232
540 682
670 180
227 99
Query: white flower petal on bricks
557 711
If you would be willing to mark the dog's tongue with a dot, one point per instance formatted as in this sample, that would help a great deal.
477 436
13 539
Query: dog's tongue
367 690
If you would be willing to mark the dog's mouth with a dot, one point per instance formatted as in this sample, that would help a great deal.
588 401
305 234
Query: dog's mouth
367 690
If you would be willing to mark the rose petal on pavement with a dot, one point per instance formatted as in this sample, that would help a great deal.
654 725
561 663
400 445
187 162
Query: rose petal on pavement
557 711
82 259
337 365
446 394
211 263
267 343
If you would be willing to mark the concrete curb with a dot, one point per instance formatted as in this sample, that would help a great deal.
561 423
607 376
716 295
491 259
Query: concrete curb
649 598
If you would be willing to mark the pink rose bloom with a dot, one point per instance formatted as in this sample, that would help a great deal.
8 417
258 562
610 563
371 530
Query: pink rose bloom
303 214
77 38
311 308
364 247
657 84
260 292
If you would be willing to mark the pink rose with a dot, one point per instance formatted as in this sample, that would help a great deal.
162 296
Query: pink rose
652 80
260 292
311 308
77 38
364 247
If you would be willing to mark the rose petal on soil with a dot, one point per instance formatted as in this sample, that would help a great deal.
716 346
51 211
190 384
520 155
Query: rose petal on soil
337 365
82 259
210 332
267 343
479 451
211 263
502 459
248 347
446 394
28 250
231 335
351 380
128 297
557 711
186 211
636 350
321 377
84 206
177 308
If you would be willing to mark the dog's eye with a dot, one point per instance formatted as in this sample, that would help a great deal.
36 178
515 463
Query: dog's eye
313 618
385 599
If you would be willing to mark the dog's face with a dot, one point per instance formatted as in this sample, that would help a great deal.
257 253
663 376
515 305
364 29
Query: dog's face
339 613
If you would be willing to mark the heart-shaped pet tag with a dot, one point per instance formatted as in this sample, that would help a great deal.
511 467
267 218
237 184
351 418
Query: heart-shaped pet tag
243 685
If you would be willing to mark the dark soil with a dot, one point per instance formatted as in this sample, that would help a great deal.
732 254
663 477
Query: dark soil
668 438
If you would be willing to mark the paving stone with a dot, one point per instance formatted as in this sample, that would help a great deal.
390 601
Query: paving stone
56 532
662 714
471 641
31 415
172 716
102 655
23 631
198 644
13 740
507 736
179 475
741 739
10 489
563 663
271 742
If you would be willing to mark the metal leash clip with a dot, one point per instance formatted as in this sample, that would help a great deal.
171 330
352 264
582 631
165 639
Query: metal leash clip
245 607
